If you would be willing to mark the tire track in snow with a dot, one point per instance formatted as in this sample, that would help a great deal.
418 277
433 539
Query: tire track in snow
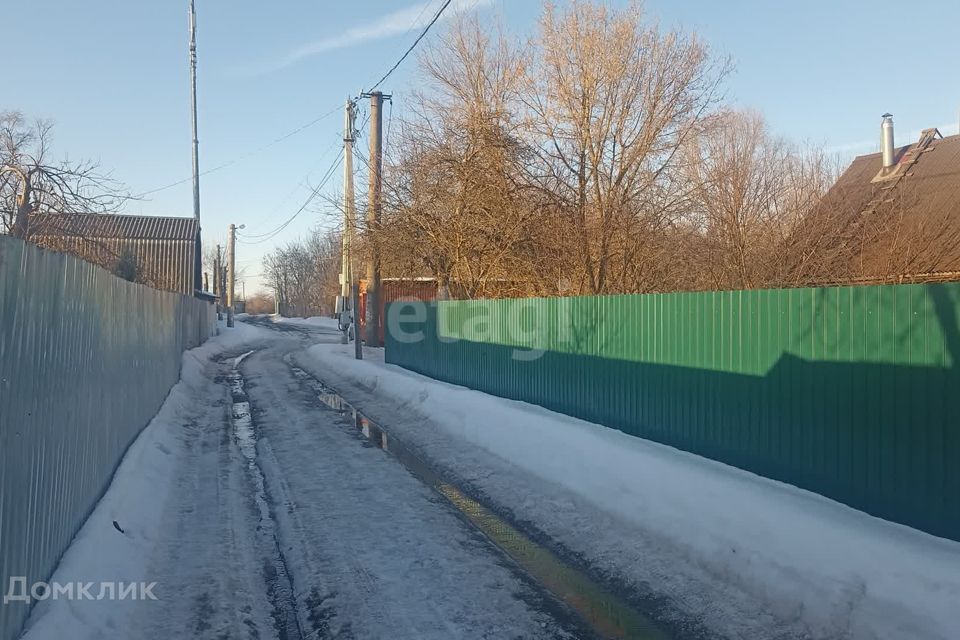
280 590
374 553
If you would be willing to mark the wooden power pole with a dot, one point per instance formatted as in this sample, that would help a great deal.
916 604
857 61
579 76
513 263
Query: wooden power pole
347 309
374 216
231 270
217 288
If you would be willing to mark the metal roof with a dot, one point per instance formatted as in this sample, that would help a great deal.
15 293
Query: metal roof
878 223
933 174
103 226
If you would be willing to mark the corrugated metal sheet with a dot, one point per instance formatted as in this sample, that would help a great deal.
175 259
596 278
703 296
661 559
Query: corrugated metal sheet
101 226
394 289
166 248
86 359
849 391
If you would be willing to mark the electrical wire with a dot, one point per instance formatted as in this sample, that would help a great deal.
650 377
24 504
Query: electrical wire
289 195
301 128
413 46
326 177
366 162
416 21
252 239
244 156
272 234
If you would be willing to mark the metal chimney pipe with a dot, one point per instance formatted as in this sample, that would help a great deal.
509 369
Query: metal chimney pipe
886 140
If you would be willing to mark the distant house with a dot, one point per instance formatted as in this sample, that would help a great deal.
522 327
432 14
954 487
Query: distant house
892 216
162 252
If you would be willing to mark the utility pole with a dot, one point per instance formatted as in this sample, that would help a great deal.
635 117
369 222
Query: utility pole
217 289
357 343
347 309
193 98
374 216
231 270
223 277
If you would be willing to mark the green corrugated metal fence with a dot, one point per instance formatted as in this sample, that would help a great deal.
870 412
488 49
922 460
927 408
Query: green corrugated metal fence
851 392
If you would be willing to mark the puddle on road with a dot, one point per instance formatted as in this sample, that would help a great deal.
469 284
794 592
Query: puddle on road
280 590
610 616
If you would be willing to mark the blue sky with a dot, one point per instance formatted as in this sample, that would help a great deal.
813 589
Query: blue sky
113 76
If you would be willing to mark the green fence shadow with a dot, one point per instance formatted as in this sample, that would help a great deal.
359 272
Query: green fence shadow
848 392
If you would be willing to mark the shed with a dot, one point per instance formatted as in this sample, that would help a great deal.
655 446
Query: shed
165 251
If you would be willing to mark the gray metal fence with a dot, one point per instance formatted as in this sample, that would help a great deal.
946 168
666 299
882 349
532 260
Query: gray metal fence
86 360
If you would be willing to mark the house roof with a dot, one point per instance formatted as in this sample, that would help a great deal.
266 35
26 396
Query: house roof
932 172
880 224
114 226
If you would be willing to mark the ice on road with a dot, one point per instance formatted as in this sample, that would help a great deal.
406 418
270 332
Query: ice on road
270 518
260 513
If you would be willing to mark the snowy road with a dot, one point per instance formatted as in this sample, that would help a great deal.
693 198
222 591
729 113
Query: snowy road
372 552
282 523
262 513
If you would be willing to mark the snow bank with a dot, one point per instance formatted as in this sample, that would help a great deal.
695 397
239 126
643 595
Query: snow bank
314 321
816 566
135 500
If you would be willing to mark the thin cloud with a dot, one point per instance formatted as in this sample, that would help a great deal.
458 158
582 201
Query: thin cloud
399 22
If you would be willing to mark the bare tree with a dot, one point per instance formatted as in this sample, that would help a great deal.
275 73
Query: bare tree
260 303
453 200
33 182
611 98
303 274
597 158
737 175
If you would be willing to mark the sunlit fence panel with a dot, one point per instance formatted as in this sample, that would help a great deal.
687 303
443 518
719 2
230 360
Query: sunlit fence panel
851 392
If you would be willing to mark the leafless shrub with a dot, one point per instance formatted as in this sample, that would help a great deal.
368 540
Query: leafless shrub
303 274
259 304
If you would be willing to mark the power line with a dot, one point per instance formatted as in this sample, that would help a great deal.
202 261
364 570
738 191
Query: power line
290 134
251 239
366 162
312 195
413 46
244 156
416 21
272 234
327 175
302 183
